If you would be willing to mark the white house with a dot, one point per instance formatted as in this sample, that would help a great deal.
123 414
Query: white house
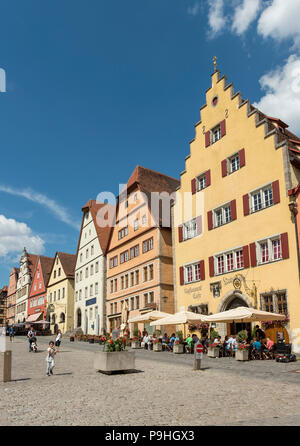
27 266
90 272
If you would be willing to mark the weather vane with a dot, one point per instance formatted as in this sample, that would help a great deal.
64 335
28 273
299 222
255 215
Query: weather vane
215 63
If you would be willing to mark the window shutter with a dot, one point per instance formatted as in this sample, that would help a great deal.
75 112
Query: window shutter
193 185
202 270
199 225
211 267
233 209
242 157
285 245
246 204
223 128
180 233
208 178
276 193
224 168
207 139
181 275
253 254
209 220
246 256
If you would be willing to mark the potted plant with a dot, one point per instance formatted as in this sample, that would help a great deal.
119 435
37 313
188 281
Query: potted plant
242 353
213 351
178 347
135 342
157 346
114 357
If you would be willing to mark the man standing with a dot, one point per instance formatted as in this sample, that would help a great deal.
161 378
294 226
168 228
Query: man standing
259 333
30 335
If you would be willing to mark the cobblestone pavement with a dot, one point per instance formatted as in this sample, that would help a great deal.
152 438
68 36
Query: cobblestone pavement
165 392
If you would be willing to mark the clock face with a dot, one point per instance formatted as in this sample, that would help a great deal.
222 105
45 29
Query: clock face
237 283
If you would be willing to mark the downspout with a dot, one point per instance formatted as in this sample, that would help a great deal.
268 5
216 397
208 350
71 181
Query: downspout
294 211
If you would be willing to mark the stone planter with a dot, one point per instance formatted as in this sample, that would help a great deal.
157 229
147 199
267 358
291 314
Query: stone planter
108 362
135 344
178 348
242 355
213 352
157 347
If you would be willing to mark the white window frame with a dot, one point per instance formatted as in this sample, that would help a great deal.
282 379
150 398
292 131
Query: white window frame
225 254
231 160
269 241
190 229
201 178
215 134
261 192
221 209
185 271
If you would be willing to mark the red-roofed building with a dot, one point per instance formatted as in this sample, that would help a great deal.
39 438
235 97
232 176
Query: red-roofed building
37 302
90 270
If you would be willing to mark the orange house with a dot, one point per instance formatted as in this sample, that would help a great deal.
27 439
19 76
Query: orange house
139 258
11 296
37 301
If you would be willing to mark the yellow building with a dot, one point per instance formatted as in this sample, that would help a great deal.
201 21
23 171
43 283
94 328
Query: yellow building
234 233
60 293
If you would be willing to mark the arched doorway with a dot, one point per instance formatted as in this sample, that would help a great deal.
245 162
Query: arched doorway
78 318
234 299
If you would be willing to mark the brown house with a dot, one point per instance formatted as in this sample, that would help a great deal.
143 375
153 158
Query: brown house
139 258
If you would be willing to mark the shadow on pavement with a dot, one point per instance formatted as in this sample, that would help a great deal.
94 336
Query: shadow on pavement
120 372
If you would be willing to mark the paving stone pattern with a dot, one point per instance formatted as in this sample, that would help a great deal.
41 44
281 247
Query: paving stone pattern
165 391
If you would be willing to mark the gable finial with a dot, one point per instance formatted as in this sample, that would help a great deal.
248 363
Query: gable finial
215 63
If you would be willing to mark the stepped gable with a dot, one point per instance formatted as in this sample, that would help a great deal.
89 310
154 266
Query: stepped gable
68 262
281 139
103 232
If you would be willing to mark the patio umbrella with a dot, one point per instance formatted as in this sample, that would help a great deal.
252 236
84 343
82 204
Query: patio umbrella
183 317
244 314
148 317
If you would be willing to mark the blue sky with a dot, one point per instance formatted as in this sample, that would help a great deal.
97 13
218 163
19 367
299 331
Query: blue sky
95 87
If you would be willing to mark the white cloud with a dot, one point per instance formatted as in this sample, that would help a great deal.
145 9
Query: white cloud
216 16
15 235
280 20
193 10
60 212
282 93
244 14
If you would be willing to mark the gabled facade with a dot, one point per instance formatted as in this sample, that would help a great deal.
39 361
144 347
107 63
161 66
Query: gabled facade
3 305
37 301
60 293
11 296
27 266
139 259
90 271
238 246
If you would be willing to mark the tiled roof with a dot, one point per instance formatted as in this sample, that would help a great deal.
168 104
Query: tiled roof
46 265
32 261
152 181
4 289
68 262
103 232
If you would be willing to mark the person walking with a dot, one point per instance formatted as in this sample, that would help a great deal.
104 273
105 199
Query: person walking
58 340
50 358
11 333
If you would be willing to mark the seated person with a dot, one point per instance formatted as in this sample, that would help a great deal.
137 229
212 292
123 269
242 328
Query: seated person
189 346
234 344
270 344
229 343
172 340
146 340
224 346
257 346
217 341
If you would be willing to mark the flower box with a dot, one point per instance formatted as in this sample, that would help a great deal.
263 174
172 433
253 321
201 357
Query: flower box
135 344
108 362
157 347
178 348
213 352
242 355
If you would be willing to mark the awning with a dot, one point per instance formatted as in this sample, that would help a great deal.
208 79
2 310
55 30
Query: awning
34 317
148 317
245 314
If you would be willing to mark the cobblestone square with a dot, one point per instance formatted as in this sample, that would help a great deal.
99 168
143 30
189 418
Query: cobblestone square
165 391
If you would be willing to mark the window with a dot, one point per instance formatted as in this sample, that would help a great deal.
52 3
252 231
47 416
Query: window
132 278
86 253
268 303
77 277
54 296
81 257
190 229
80 294
122 283
38 275
54 274
137 277
80 275
150 272
222 215
92 270
58 295
59 271
144 220
150 243
137 302
111 308
145 246
201 182
92 250
86 273
96 267
131 304
116 285
234 163
216 133
229 261
126 280
261 198
269 250
134 252
281 303
96 288
112 263
136 224
111 286
123 232
192 273
86 292
145 272
63 293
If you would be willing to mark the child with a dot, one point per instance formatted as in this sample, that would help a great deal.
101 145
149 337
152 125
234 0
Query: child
50 358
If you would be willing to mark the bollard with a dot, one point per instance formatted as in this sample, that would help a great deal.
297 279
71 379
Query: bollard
6 366
198 354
